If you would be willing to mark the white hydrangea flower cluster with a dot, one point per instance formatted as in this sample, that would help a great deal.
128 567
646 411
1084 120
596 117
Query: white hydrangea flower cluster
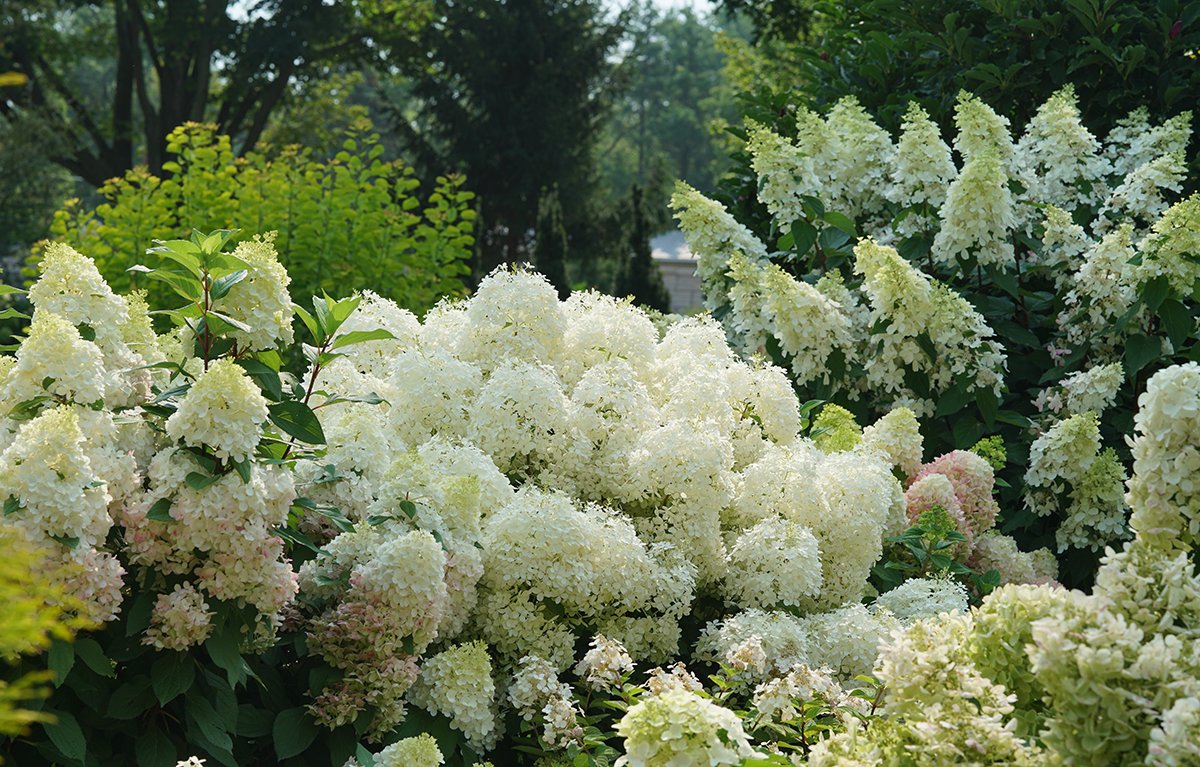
1067 461
419 751
781 699
920 598
179 620
223 411
913 308
1041 675
1101 292
59 474
713 235
845 640
260 300
1058 160
977 217
921 173
458 684
1169 250
1092 390
682 729
1166 458
604 664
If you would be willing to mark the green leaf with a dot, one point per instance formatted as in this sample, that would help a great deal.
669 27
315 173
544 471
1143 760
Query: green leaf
70 541
293 732
224 649
310 323
409 508
243 469
155 749
131 699
840 221
363 756
926 344
67 736
297 420
200 711
1177 321
161 510
12 314
11 505
358 336
172 675
222 285
1140 350
181 252
1156 291
8 289
254 722
60 660
267 379
198 481
180 282
804 236
92 654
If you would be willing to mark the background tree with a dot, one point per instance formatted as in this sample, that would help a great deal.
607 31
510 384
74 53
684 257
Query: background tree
515 93
639 277
112 79
1119 54
550 247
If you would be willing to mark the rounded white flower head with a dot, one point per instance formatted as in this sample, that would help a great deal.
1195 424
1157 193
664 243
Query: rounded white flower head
678 728
223 411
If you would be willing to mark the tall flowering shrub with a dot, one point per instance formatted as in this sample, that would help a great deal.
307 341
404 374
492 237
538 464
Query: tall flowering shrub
1023 286
399 550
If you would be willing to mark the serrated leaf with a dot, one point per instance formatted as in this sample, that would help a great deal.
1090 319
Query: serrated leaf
1177 321
293 732
222 285
131 699
224 649
1155 291
297 420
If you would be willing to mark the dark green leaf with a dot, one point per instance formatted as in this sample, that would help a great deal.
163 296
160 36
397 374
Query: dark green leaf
11 505
60 660
161 510
1140 349
172 675
1177 321
155 749
254 722
197 481
267 379
293 732
211 725
67 736
224 649
92 654
131 699
840 221
1156 291
222 285
804 236
298 420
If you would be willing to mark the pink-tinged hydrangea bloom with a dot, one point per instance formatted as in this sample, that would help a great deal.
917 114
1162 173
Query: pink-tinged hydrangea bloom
974 481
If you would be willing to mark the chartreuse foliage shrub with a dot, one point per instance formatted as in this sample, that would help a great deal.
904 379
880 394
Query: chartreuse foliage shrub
523 527
354 222
1021 288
